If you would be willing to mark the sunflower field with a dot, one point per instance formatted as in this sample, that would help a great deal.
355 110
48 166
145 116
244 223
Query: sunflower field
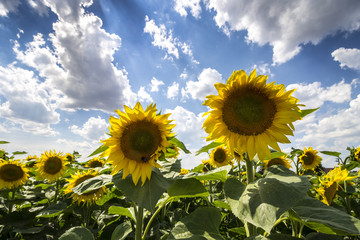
133 185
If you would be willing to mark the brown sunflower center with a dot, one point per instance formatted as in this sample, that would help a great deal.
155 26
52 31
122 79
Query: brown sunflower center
330 192
53 165
11 172
141 140
95 164
276 161
219 155
308 158
82 179
248 111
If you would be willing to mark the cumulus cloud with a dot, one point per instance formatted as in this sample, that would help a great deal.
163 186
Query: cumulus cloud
347 57
181 7
94 129
204 86
7 6
39 7
285 25
155 84
164 39
173 90
313 95
144 96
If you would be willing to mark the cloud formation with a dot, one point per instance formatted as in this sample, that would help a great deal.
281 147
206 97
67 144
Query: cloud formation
173 90
347 57
155 84
93 129
181 7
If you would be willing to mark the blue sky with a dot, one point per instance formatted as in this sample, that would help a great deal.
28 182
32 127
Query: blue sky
65 65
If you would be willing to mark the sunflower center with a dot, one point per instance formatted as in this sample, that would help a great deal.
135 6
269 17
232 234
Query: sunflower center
219 155
248 112
53 165
11 173
95 164
308 158
141 140
330 192
276 161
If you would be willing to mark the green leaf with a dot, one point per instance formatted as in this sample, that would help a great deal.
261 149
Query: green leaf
215 174
306 112
187 188
121 211
92 184
4 142
100 149
19 153
203 223
208 147
52 210
322 218
322 236
238 230
263 202
77 233
121 231
350 166
179 144
335 154
276 155
221 204
274 236
147 195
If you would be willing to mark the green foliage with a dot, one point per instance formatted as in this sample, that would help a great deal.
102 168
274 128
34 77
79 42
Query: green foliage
77 233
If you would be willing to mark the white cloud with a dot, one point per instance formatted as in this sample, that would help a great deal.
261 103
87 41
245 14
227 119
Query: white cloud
155 84
286 25
204 86
193 5
173 90
39 7
7 6
262 69
348 57
144 96
94 129
313 95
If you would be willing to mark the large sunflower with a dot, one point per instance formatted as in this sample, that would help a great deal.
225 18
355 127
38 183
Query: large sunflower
12 174
89 197
250 115
51 165
220 156
137 139
282 160
309 159
95 162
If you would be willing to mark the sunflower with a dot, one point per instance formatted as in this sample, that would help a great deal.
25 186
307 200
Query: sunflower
250 115
137 140
309 159
69 157
220 156
89 197
184 171
207 166
282 160
172 151
51 165
31 160
12 174
357 154
95 162
330 184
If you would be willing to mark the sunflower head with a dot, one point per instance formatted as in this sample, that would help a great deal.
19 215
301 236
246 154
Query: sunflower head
250 115
87 198
12 174
51 165
138 138
220 156
357 154
328 192
95 162
69 157
207 165
282 160
309 159
184 171
31 160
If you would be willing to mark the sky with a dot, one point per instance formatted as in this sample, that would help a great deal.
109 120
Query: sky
66 65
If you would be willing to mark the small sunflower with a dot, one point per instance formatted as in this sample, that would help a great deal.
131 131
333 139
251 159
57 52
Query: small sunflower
207 165
12 174
282 160
137 140
31 160
357 154
69 157
330 184
172 151
250 115
95 162
51 165
309 159
184 171
87 198
220 156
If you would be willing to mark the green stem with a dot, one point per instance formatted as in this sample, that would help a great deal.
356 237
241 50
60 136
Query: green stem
250 229
239 170
11 199
152 218
139 222
210 191
56 190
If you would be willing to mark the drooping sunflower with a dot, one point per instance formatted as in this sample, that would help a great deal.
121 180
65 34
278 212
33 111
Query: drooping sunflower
12 174
282 160
330 184
87 198
95 162
357 154
250 115
309 159
51 165
207 166
220 156
137 140
69 157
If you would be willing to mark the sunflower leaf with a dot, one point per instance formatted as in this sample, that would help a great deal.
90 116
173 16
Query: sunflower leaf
4 142
52 210
100 149
19 153
184 188
179 144
335 154
121 231
208 147
306 112
93 183
77 233
215 174
121 211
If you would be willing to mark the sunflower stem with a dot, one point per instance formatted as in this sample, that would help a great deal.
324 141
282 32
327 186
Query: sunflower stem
139 222
250 229
152 218
56 191
11 199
